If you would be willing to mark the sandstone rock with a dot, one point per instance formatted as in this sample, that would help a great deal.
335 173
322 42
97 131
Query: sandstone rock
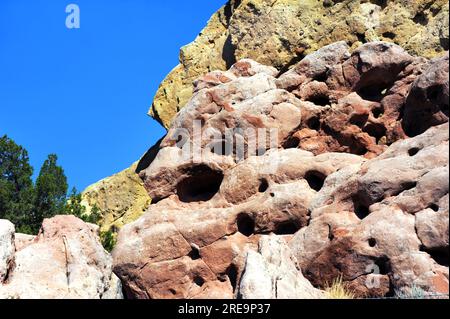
6 248
353 103
192 243
120 199
429 98
272 273
209 211
367 224
281 33
65 261
22 241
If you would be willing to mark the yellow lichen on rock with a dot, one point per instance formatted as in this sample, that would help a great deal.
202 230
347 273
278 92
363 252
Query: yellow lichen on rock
281 32
120 199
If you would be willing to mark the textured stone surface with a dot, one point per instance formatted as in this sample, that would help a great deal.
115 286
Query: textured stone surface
361 199
65 261
120 198
6 248
429 98
204 232
22 241
356 101
272 273
280 33
368 224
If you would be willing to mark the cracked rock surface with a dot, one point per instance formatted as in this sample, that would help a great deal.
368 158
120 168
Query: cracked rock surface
65 261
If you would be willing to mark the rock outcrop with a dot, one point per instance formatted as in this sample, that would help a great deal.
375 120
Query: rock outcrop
65 261
120 199
361 196
383 222
280 33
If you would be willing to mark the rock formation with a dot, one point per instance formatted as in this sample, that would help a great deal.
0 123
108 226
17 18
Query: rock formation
308 141
280 33
344 187
65 261
121 199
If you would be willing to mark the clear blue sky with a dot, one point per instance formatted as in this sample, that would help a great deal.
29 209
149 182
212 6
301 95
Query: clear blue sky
84 93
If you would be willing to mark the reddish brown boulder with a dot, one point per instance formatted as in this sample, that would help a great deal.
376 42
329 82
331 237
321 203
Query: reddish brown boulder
385 221
360 199
428 99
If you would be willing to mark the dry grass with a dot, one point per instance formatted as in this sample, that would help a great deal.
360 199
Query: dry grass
338 290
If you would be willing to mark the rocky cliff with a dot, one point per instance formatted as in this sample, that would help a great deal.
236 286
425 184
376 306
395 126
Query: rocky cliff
354 185
279 34
300 150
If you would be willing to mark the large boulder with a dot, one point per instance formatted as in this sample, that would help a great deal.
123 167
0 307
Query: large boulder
383 225
65 261
339 153
429 98
280 33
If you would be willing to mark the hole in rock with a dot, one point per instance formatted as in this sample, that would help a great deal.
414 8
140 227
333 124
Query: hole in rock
390 35
201 186
421 18
414 151
292 142
320 100
246 225
378 112
375 130
409 185
384 265
194 254
287 228
316 180
361 210
361 37
434 207
374 92
199 281
173 291
321 77
359 119
263 186
313 123
372 242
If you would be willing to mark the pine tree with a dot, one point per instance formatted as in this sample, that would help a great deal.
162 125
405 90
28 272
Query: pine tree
51 192
16 186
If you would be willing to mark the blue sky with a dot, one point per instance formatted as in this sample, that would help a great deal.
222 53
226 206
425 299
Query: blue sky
84 93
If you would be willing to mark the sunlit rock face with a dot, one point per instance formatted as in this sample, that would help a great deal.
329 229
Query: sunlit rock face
280 33
343 187
65 261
